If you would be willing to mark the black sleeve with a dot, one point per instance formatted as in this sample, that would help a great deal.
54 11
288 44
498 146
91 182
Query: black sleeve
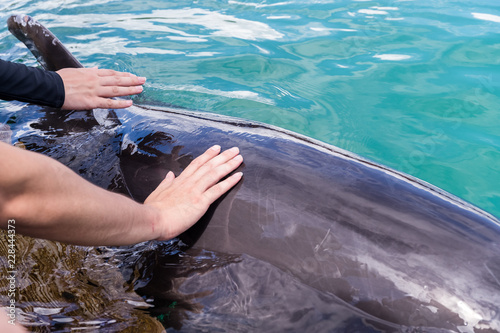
30 84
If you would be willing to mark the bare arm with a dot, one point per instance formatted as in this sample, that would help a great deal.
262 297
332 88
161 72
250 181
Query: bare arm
50 201
6 327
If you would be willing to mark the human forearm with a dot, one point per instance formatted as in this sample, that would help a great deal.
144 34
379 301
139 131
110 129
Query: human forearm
48 200
30 84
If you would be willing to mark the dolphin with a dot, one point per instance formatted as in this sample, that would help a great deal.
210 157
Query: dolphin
390 252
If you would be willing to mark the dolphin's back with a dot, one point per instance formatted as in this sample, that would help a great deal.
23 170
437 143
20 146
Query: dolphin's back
382 241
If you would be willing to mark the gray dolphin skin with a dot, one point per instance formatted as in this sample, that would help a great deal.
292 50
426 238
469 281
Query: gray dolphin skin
392 253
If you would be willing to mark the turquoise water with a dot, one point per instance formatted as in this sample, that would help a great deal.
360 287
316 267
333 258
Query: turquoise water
409 84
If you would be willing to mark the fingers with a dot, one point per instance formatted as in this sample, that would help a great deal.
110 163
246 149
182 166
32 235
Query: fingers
201 160
211 174
209 161
208 175
168 180
209 168
219 189
110 72
181 201
121 79
116 91
107 103
115 84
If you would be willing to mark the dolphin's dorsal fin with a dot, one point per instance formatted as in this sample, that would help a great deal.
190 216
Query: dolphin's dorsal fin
47 49
52 55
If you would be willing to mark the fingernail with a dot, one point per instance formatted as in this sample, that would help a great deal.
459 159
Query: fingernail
238 174
215 148
238 158
142 79
234 149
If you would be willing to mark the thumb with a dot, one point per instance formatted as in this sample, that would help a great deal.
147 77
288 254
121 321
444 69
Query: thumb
167 181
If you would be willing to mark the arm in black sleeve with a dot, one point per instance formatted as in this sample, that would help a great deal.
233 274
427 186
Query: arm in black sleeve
29 84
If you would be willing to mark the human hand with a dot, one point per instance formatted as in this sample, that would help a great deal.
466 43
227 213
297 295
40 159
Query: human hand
180 202
90 88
